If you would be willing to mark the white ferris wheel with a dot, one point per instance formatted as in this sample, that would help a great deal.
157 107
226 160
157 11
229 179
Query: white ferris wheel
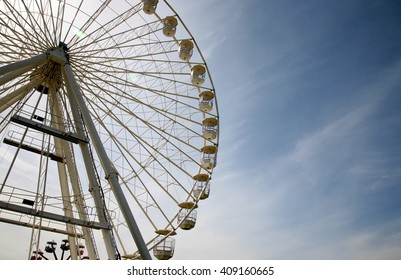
108 127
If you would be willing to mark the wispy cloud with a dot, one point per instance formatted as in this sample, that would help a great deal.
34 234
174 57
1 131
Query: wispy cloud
331 193
309 202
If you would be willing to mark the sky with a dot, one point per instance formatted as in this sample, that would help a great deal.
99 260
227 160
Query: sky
309 96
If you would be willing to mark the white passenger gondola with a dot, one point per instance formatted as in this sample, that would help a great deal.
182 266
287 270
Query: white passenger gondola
185 50
210 128
169 26
149 6
164 247
208 157
206 101
201 187
198 73
187 216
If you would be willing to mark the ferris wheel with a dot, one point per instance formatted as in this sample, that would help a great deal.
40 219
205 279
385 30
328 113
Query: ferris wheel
109 127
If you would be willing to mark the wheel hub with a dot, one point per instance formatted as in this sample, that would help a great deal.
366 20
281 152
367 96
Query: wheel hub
49 74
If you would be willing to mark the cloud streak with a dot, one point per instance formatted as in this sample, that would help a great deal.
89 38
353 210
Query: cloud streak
314 201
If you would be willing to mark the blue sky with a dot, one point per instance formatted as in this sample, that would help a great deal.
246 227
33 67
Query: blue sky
310 152
309 163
